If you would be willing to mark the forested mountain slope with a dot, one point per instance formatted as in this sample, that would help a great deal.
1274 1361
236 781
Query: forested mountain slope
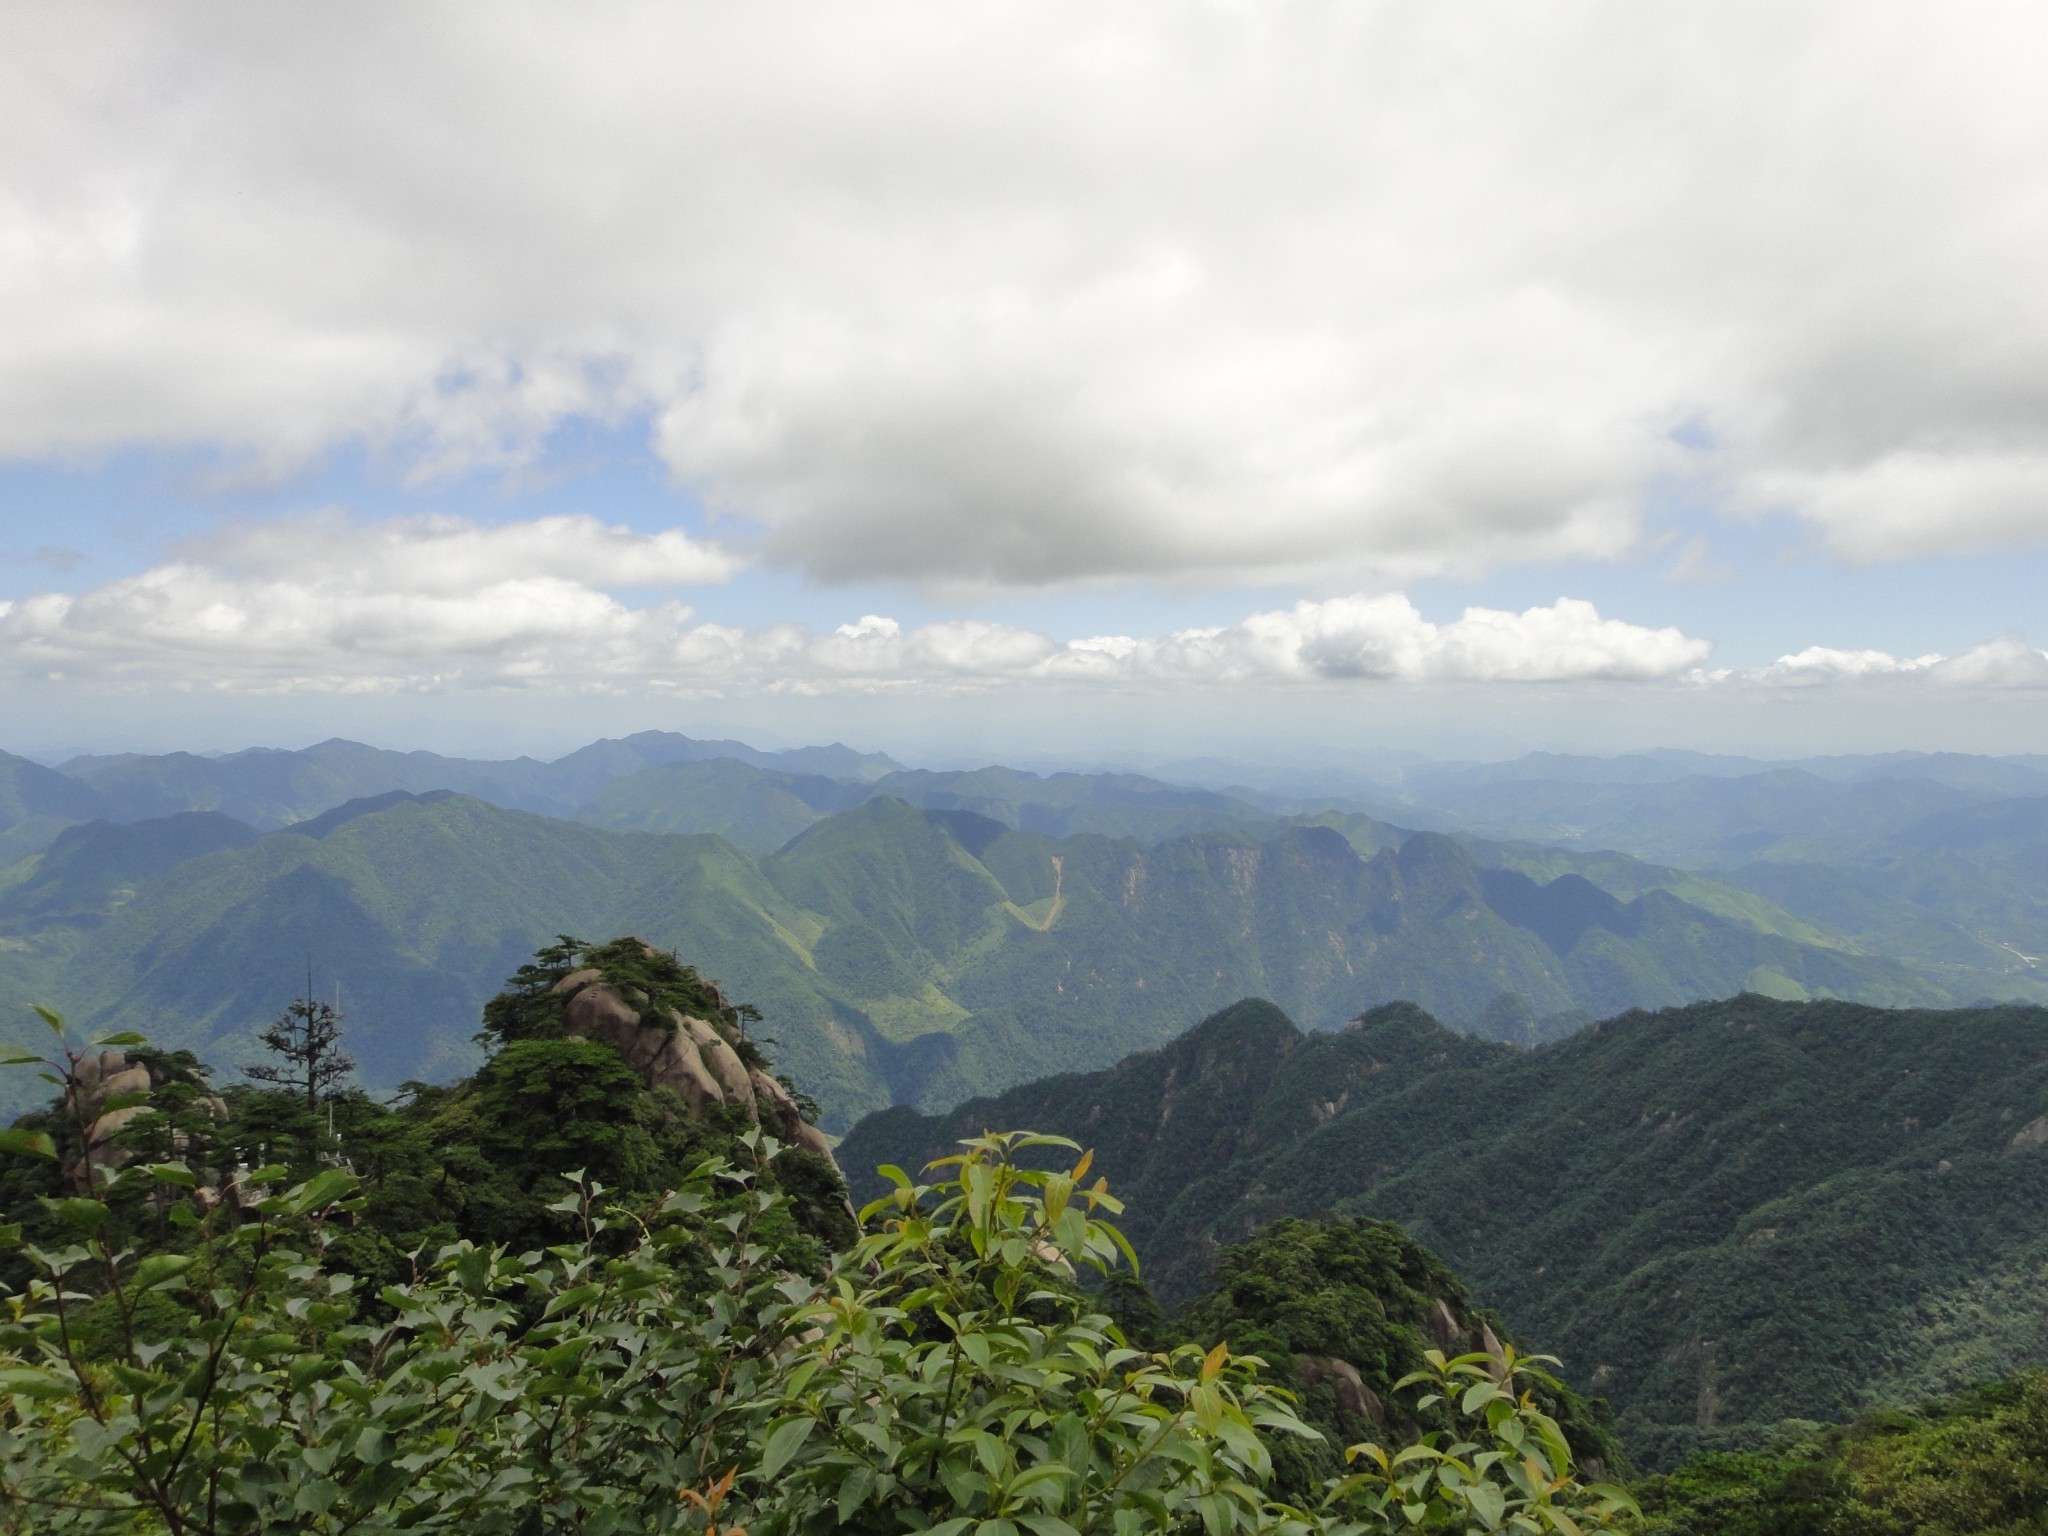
1724 1215
37 802
1958 886
899 954
1928 860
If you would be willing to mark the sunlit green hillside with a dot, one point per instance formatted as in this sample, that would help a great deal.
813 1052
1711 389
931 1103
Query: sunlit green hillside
899 954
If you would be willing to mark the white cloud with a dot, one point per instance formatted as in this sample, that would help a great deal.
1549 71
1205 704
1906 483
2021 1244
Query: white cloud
436 605
190 626
1385 637
1920 502
1016 294
1825 664
439 604
2007 662
452 555
322 601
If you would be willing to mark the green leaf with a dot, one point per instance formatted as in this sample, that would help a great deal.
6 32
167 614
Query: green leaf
568 1301
1046 1525
18 1056
79 1214
1042 1140
24 1381
875 1435
159 1269
1476 1394
51 1017
174 1173
28 1143
783 1442
125 1037
1487 1502
317 1497
854 1489
963 1480
988 1450
1045 1471
322 1190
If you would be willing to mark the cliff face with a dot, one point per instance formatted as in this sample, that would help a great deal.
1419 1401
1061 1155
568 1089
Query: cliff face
703 1061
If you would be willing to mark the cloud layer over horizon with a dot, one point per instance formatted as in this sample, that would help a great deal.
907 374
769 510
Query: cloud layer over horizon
322 603
1007 296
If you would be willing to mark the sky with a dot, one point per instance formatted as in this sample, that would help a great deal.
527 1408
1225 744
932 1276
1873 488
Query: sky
1093 383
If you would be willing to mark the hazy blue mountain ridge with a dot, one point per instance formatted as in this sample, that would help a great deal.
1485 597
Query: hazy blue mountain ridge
269 787
754 809
36 803
1696 821
1996 777
1939 861
760 810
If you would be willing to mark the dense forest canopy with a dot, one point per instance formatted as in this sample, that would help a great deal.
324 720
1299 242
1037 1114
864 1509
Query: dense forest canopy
1725 1217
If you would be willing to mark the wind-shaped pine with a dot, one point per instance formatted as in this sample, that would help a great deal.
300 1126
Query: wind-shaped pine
307 1036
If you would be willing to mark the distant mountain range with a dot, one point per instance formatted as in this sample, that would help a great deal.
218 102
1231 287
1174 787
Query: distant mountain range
1937 860
1722 1216
270 788
922 936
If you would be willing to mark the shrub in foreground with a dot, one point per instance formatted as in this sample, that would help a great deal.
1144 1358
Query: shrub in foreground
662 1374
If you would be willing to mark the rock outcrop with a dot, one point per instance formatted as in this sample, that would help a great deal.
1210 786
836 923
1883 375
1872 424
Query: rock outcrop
1354 1397
2032 1134
1443 1328
101 1093
698 1059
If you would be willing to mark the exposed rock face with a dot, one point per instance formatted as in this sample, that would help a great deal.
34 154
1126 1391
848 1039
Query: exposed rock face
695 1058
98 1078
780 1115
1443 1328
1354 1397
725 1064
2032 1134
659 1050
